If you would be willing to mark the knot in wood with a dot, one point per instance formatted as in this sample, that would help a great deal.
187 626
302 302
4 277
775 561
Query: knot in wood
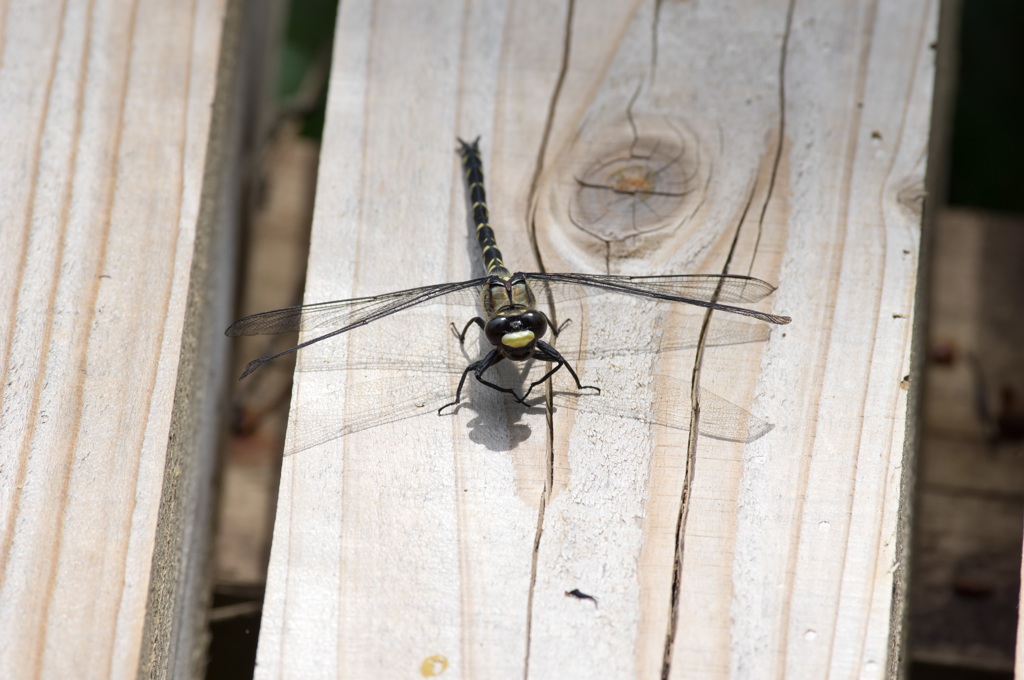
644 185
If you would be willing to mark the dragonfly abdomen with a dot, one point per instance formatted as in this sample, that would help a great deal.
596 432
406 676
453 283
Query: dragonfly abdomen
472 164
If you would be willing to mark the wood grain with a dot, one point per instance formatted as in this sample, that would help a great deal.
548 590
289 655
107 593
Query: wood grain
113 284
776 140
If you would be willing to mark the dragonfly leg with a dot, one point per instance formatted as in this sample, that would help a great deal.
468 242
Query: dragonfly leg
555 330
462 336
490 360
546 352
478 368
462 381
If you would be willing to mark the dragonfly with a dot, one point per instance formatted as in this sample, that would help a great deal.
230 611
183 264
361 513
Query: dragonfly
511 321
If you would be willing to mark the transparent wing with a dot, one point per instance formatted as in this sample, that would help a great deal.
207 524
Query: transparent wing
341 316
391 399
378 388
703 290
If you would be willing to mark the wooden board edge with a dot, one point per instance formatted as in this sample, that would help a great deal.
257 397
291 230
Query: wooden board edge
175 637
936 192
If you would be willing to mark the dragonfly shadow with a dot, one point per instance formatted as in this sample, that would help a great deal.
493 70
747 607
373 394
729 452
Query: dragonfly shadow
377 405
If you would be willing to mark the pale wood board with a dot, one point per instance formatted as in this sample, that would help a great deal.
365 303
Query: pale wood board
112 292
409 547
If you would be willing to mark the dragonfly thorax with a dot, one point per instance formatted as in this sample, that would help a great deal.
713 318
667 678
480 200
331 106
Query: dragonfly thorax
516 335
507 295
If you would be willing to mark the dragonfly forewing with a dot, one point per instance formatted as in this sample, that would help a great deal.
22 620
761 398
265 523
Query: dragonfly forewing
703 290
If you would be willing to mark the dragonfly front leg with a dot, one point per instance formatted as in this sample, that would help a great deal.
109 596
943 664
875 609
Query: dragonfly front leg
472 367
546 352
555 330
477 368
462 336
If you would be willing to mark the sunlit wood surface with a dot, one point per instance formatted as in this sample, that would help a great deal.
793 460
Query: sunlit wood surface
762 538
107 412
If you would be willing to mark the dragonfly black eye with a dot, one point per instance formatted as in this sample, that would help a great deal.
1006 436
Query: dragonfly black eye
497 328
536 322
516 332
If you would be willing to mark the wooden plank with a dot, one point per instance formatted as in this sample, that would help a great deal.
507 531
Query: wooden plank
117 276
971 511
785 142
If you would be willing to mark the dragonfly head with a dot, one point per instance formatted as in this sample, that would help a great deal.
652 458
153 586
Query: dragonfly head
517 334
